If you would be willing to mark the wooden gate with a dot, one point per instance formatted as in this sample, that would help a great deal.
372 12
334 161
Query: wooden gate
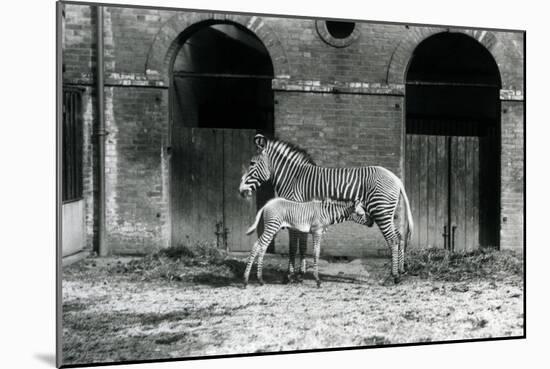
453 190
206 168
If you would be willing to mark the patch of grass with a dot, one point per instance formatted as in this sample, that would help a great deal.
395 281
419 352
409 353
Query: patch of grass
201 263
458 266
200 253
179 263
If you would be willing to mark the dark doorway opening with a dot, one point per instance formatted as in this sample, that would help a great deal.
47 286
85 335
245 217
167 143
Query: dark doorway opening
220 97
453 143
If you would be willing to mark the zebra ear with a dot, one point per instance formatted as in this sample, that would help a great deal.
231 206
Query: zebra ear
260 141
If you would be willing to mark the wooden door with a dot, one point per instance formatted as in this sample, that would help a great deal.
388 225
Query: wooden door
206 168
239 213
427 182
464 193
443 185
196 185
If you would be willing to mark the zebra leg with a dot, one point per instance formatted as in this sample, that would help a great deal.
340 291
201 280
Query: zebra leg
401 257
395 262
251 258
263 243
402 250
316 253
292 245
261 262
302 246
387 227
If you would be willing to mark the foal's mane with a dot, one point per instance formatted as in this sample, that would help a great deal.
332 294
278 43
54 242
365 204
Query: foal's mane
303 154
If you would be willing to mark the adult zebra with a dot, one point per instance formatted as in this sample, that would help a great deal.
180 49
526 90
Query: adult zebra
295 176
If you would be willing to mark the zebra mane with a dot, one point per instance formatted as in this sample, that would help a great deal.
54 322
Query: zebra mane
304 155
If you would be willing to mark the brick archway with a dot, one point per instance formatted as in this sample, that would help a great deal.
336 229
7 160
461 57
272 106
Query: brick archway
166 43
400 59
452 137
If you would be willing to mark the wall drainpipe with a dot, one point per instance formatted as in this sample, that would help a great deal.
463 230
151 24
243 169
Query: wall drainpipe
103 249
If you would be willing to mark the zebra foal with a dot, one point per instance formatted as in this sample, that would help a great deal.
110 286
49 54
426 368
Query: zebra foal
309 217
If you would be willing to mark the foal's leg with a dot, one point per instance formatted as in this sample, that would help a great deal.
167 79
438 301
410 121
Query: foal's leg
261 261
250 261
259 249
270 231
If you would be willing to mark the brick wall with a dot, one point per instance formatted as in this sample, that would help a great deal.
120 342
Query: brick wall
136 208
136 122
311 58
368 59
80 40
508 53
132 27
343 105
512 174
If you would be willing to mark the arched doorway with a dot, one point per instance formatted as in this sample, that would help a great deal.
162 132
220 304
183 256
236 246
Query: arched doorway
220 97
453 143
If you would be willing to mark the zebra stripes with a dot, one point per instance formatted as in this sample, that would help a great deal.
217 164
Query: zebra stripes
295 176
308 217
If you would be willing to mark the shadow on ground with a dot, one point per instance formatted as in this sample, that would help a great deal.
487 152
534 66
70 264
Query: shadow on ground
275 272
272 274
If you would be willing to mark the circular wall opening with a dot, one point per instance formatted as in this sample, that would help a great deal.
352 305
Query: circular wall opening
340 30
337 33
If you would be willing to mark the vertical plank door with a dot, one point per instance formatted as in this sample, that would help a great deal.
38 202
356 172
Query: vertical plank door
426 185
464 192
239 213
196 184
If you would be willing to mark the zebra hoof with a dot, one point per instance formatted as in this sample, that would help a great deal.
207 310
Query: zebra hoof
289 278
396 280
318 284
261 281
387 281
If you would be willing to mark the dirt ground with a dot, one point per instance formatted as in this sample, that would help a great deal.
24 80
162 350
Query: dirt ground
113 311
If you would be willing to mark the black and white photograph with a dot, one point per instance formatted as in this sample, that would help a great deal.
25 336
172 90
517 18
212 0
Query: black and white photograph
234 183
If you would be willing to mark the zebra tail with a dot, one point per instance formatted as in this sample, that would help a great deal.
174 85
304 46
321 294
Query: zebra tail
410 223
253 226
